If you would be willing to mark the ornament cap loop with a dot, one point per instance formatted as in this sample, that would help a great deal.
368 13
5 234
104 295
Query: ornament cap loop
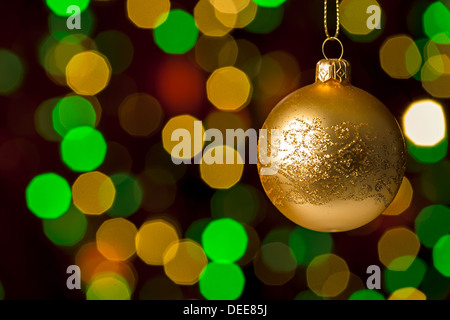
332 69
334 39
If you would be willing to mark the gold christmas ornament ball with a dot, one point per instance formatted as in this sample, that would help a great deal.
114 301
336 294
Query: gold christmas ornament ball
332 156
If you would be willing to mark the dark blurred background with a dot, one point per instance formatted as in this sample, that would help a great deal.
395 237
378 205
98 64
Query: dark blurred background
33 267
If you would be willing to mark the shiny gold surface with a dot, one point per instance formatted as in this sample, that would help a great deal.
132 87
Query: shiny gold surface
340 157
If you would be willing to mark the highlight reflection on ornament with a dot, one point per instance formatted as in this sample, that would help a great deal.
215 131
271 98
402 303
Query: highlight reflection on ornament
340 155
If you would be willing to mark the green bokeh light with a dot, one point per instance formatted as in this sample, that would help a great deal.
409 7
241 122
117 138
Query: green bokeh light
48 196
58 25
436 22
278 235
435 183
59 7
269 3
432 223
413 59
239 202
307 244
435 285
421 44
11 72
415 14
83 149
266 20
195 230
441 255
46 52
431 72
371 36
117 47
411 277
178 34
224 240
222 281
68 229
43 120
428 154
72 112
366 294
54 54
278 257
108 286
128 196
308 295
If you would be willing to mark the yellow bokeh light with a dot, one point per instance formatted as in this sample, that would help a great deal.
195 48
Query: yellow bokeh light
65 50
122 268
88 259
270 77
193 129
435 75
268 275
437 61
153 239
148 14
88 73
206 20
395 243
253 246
43 121
93 193
116 239
108 286
432 49
354 15
439 88
279 74
57 54
230 6
440 63
229 89
221 167
184 261
407 294
249 58
140 115
399 57
429 73
424 123
278 257
355 283
402 200
327 275
223 120
214 52
239 19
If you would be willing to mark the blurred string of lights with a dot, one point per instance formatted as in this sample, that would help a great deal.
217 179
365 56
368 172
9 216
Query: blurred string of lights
232 74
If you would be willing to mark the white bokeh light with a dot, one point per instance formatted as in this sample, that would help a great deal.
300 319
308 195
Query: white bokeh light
424 123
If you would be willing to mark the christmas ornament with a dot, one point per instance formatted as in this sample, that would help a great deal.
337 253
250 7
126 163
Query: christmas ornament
338 157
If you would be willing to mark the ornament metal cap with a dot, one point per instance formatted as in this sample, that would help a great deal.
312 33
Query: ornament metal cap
332 69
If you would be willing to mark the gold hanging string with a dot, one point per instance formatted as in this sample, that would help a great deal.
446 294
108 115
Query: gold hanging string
325 20
335 37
